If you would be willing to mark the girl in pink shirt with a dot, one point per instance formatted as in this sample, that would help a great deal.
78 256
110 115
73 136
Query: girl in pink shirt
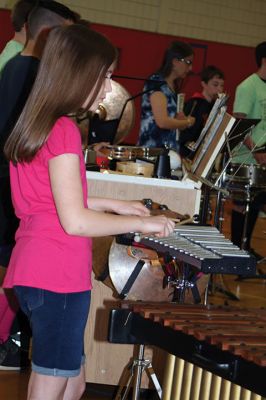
50 265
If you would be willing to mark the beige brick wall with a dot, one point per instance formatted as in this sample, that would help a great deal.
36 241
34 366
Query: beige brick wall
241 22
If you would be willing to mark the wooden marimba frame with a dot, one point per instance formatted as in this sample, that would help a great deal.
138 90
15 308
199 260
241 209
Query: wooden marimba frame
215 352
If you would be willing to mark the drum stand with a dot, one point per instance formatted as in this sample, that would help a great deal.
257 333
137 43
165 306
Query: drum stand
244 236
218 219
248 199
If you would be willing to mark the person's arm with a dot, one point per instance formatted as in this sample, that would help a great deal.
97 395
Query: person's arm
78 220
248 142
199 112
163 120
122 207
242 105
244 100
259 157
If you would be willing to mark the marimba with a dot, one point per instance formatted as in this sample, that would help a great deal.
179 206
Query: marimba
216 352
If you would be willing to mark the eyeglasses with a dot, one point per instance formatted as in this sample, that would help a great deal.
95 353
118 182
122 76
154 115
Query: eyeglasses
188 62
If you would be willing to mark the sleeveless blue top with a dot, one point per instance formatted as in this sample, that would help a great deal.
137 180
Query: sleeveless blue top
150 134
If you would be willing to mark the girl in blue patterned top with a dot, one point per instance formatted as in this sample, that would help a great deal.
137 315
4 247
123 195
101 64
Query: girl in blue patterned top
159 118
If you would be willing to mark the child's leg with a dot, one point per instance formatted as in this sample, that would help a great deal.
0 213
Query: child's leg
58 322
75 386
44 387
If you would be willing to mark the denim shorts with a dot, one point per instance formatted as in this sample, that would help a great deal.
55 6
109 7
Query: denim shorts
58 323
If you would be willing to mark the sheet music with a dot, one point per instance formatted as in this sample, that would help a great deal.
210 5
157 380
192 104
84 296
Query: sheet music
210 148
209 137
219 103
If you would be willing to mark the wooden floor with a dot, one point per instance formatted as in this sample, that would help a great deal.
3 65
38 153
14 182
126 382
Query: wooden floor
251 293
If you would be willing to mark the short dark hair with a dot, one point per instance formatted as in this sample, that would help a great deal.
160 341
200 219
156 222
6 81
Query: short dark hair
260 53
84 22
20 13
48 14
210 72
59 9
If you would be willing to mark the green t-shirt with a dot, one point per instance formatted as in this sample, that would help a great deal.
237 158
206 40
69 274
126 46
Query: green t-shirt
11 49
250 99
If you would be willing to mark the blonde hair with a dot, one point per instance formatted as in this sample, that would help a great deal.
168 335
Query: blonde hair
73 66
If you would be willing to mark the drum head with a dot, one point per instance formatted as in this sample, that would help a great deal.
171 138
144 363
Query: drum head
148 285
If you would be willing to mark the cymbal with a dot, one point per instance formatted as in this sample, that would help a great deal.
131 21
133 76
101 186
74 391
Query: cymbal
148 285
112 106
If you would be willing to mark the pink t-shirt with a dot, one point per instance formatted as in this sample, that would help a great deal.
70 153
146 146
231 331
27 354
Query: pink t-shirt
45 256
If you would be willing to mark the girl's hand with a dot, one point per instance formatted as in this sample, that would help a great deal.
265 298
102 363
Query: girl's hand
131 207
159 225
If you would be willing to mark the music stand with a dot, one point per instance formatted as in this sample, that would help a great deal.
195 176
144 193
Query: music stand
207 152
213 137
218 107
240 129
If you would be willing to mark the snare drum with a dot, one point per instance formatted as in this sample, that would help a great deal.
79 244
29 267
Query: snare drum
247 174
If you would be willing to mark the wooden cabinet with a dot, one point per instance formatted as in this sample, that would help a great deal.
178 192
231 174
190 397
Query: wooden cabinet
105 361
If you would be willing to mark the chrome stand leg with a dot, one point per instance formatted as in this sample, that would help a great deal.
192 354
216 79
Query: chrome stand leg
135 371
244 233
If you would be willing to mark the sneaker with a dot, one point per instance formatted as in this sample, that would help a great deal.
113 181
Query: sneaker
9 356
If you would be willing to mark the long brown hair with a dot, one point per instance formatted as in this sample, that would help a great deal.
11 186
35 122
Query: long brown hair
73 66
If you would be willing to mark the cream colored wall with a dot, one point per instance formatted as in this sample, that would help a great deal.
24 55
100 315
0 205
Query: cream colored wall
241 22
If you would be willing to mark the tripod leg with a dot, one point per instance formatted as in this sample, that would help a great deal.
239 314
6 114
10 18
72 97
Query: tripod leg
151 374
135 371
125 382
244 239
138 373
